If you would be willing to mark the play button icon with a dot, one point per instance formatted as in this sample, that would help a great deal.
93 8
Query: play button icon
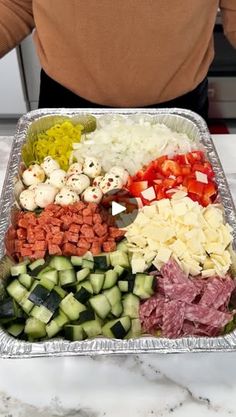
122 206
117 208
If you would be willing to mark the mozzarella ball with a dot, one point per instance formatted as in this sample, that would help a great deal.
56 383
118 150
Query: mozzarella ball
121 172
78 183
33 175
27 200
92 167
66 197
97 181
58 178
75 168
45 194
110 182
33 187
49 165
92 195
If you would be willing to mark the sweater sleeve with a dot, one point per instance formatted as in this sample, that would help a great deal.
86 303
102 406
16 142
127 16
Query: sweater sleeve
16 22
228 11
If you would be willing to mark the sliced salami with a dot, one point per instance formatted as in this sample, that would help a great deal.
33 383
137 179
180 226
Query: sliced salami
173 318
206 315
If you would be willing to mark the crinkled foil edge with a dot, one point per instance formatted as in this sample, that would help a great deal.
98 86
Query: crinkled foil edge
179 119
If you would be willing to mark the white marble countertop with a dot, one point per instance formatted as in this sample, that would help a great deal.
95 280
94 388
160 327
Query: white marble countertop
123 386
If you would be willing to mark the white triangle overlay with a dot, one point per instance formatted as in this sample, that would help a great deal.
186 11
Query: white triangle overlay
116 208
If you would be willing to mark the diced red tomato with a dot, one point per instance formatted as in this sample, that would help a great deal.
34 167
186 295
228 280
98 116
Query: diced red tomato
195 187
171 167
137 187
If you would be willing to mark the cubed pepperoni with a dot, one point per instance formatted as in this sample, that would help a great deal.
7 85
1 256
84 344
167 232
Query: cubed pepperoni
26 252
100 229
87 231
88 220
21 233
39 254
80 251
74 228
87 212
72 237
77 219
56 222
83 243
23 223
40 235
95 248
97 218
54 249
109 246
93 207
116 233
55 229
69 249
57 239
39 245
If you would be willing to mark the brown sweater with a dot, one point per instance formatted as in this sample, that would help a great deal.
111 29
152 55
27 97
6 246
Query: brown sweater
122 53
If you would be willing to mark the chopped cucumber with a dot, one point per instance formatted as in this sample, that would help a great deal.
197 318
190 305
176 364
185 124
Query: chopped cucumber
97 281
41 313
117 309
26 304
120 271
85 284
117 328
36 264
60 263
111 277
83 295
66 277
60 291
76 260
15 329
86 315
87 263
82 274
143 286
7 309
35 328
16 290
131 306
122 246
56 325
135 330
52 302
39 295
102 261
74 332
19 269
119 258
100 305
50 274
26 280
47 283
123 286
71 307
92 328
113 295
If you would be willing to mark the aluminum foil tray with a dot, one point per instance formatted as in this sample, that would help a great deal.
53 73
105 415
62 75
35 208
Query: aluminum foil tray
177 119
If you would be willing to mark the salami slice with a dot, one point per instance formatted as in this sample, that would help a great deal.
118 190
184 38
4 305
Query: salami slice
182 291
173 318
217 292
206 315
